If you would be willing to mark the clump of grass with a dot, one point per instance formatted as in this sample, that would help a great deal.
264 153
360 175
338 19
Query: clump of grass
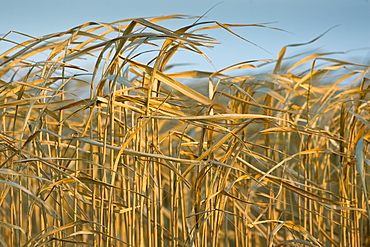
120 153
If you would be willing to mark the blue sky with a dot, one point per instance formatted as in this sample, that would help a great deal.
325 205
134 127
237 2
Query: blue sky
302 19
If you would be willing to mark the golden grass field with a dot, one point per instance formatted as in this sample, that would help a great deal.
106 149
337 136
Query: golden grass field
98 148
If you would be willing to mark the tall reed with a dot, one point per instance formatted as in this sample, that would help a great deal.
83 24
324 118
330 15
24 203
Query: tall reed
101 146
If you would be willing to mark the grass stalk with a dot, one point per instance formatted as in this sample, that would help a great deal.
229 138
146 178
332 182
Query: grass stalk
100 145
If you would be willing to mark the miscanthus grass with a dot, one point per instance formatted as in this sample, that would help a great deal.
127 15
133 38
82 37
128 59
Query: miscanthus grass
101 146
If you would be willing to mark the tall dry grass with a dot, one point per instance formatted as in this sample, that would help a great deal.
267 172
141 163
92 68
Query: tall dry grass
98 148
